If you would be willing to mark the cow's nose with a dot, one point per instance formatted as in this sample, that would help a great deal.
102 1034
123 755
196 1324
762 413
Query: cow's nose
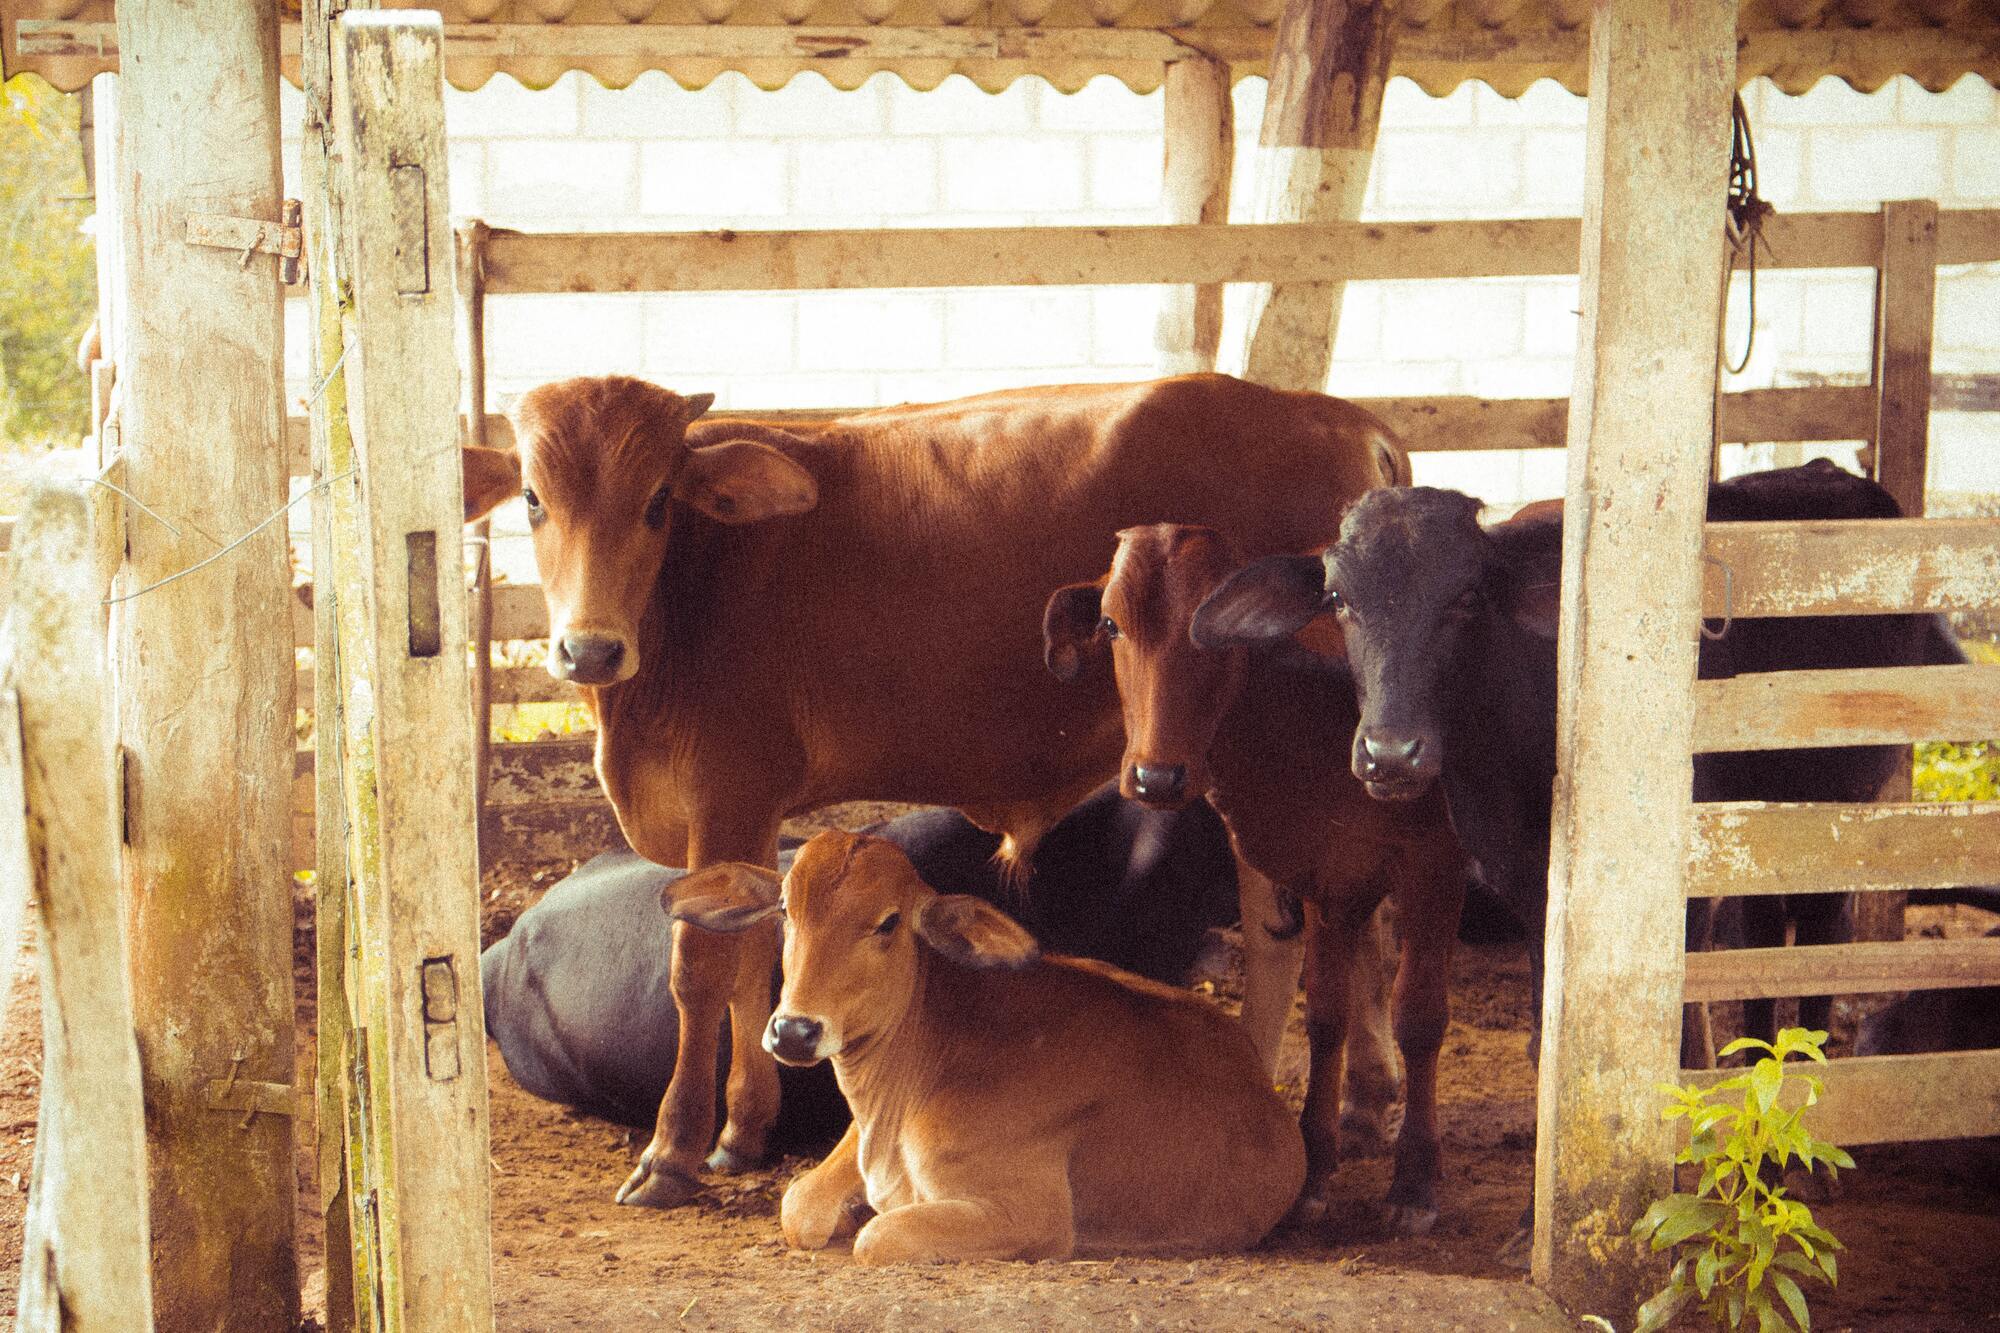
590 659
1387 754
1159 782
793 1039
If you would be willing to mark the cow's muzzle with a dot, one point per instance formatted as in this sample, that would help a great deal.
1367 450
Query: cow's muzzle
794 1040
591 658
1395 765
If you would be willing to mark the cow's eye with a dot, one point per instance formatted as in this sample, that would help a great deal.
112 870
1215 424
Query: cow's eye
1466 605
1334 601
656 508
1108 627
888 924
534 503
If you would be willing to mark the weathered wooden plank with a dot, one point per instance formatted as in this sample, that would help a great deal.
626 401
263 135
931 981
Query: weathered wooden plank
1897 1098
814 260
413 830
1329 67
472 411
1200 120
87 1261
1867 968
1791 710
1658 140
1746 847
1449 421
1850 566
16 869
201 410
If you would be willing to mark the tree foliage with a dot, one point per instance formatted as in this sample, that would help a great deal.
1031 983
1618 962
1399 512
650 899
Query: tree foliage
48 273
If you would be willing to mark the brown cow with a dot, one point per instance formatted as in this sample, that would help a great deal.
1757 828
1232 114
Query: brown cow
769 620
1006 1105
1261 734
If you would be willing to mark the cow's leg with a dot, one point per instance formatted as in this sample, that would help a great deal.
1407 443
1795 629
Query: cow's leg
1333 933
1373 1076
828 1201
1270 964
1034 1220
1763 928
1820 918
1432 895
703 980
752 1093
1697 1028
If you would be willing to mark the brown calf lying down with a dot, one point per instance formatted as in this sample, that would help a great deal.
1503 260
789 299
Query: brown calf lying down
1006 1105
1262 735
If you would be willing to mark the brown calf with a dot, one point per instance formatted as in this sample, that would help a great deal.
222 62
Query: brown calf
1261 734
1006 1105
768 620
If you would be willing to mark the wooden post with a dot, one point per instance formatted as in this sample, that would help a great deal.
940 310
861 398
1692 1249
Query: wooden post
472 355
1201 150
407 758
1328 70
205 678
86 1263
1639 426
1905 303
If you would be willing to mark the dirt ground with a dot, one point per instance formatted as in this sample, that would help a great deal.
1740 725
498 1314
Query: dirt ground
1922 1223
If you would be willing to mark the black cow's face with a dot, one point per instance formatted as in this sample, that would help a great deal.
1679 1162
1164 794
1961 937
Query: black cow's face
1408 580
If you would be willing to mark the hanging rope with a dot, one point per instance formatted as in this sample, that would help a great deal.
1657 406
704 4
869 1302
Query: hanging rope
1746 212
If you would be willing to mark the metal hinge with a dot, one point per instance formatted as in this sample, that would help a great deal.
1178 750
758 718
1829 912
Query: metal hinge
283 238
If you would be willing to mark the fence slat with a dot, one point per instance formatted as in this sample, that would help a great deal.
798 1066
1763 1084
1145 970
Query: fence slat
1749 847
87 1263
1897 1098
1786 710
1851 566
1866 968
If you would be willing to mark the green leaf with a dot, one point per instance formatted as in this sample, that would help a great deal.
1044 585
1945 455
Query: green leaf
1658 1312
1705 1269
1742 1044
1794 1299
1685 1216
1765 1081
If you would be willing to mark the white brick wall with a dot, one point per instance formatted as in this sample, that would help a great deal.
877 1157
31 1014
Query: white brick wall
655 156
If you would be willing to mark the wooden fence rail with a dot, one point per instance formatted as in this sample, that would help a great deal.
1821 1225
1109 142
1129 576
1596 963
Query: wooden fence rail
1751 847
1898 1098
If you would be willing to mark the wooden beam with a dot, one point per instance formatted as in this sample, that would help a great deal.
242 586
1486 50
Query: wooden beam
1841 969
201 372
1642 410
1797 710
1897 1098
1747 847
472 412
413 835
1329 67
1850 566
87 1260
1302 252
1200 120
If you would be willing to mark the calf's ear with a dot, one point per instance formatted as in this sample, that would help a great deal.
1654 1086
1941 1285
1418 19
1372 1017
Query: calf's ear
1069 627
974 932
492 477
1261 603
728 897
742 481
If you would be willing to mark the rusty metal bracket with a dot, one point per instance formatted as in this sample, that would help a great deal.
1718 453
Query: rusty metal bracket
284 238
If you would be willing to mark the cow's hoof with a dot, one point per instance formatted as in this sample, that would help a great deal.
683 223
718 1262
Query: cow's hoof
731 1163
1368 1133
1312 1206
1518 1250
1409 1219
657 1185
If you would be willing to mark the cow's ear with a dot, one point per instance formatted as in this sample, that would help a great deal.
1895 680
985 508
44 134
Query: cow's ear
693 405
492 477
1532 602
742 481
1070 627
974 932
1262 603
728 897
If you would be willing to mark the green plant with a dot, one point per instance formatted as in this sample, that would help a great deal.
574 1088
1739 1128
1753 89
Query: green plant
1742 1245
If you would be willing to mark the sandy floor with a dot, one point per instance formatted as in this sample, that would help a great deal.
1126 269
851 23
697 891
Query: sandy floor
1922 1223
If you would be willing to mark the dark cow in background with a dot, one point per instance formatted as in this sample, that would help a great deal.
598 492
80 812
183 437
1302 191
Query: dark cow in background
1262 734
1450 631
578 994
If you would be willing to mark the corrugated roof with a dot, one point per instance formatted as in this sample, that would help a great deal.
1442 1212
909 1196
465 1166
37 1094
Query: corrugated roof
1508 44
